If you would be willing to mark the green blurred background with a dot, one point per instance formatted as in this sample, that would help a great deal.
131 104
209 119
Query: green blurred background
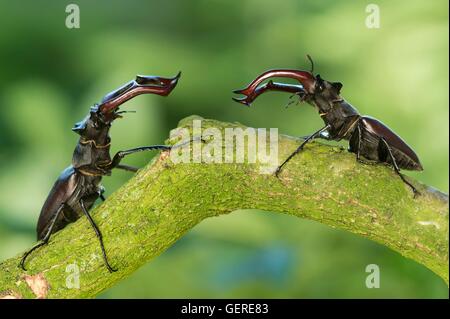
51 75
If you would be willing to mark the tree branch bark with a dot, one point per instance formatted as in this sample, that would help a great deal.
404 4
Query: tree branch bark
165 200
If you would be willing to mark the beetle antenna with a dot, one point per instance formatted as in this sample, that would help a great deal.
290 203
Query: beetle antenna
312 63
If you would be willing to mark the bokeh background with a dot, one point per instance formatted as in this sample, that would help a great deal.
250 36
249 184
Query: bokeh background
51 75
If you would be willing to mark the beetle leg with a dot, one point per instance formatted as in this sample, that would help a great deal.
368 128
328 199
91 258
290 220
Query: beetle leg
308 139
121 154
397 170
358 146
323 135
358 152
355 146
142 84
101 190
98 234
46 237
306 79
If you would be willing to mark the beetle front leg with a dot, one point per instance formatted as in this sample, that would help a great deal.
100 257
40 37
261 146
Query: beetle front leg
98 234
46 237
308 139
115 162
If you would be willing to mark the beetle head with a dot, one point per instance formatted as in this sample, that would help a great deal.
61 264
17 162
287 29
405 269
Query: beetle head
326 89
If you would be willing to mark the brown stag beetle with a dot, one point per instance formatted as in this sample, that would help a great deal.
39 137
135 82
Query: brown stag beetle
78 186
367 136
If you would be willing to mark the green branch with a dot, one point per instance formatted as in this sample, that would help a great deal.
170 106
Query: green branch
165 200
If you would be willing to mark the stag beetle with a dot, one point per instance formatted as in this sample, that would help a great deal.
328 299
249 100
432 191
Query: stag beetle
367 136
78 187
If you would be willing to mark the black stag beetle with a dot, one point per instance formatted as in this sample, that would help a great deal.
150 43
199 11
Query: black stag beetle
367 136
78 186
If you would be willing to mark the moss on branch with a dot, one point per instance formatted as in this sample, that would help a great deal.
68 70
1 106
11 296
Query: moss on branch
165 200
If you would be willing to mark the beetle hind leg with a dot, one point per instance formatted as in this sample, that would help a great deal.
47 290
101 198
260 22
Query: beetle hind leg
396 168
98 234
45 239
